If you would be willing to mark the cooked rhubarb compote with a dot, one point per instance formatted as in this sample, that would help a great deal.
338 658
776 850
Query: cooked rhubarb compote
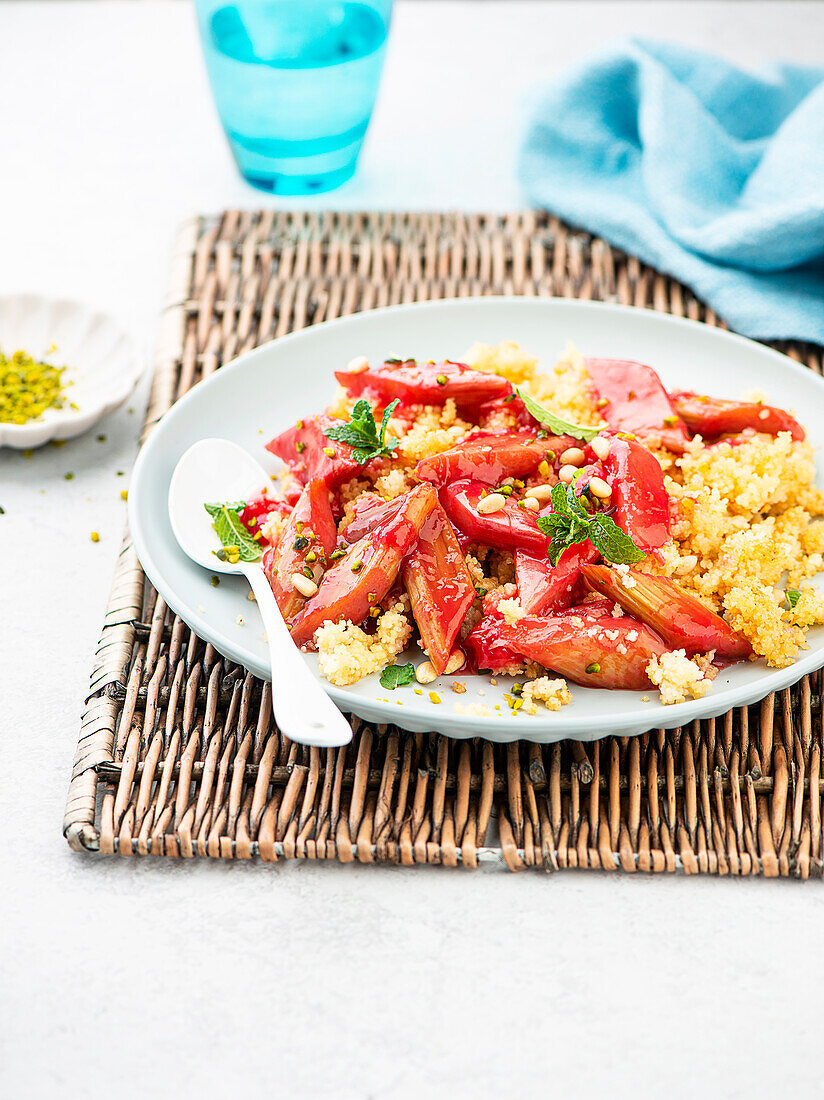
582 524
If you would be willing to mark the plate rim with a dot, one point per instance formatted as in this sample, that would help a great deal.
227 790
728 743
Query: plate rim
554 726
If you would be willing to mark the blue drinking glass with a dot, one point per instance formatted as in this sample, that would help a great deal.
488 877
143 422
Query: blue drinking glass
295 82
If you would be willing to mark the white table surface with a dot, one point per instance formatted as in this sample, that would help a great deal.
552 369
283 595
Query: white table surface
139 978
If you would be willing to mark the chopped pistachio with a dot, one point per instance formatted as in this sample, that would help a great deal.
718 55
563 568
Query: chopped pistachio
28 387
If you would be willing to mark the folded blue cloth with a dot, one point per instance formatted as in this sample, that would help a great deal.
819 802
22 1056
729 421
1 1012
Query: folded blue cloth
710 174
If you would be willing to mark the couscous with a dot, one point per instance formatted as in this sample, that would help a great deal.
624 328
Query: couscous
579 525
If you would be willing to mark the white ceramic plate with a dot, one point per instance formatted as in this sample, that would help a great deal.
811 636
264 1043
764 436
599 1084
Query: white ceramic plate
101 363
260 394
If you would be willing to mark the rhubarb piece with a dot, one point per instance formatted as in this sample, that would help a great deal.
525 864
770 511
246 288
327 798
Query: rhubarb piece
307 541
546 589
491 458
631 398
681 619
369 510
416 383
257 511
358 582
710 416
309 452
641 501
510 528
490 646
592 650
439 586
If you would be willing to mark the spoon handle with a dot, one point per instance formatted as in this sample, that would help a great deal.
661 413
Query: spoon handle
303 710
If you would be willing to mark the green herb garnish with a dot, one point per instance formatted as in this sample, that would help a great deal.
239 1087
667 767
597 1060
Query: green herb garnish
394 676
553 422
232 533
361 433
568 523
793 596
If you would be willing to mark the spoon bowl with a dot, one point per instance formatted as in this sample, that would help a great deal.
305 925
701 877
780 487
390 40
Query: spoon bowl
219 471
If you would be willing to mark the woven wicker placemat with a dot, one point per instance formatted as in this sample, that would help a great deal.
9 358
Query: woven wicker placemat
178 754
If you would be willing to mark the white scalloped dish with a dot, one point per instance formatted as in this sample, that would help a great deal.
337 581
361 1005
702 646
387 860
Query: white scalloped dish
102 364
261 393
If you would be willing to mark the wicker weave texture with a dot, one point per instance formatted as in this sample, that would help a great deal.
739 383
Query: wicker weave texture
178 754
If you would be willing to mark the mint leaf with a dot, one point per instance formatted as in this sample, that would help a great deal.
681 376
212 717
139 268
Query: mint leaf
561 503
793 596
387 413
554 423
612 543
361 433
394 676
215 509
232 533
568 523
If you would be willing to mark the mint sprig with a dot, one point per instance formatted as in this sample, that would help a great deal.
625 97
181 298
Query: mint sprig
568 524
233 534
555 424
394 676
361 433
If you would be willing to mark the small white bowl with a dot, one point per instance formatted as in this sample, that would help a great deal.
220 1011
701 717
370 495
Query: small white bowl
101 363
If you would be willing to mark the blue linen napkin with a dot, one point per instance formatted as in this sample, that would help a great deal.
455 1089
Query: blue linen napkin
709 173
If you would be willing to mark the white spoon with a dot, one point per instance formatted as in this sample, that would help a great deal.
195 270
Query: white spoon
216 470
